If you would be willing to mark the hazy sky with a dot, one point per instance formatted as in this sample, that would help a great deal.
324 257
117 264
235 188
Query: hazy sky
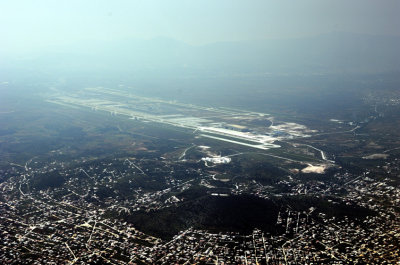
30 24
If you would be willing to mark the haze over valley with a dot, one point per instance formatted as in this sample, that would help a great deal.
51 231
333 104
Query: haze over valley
216 133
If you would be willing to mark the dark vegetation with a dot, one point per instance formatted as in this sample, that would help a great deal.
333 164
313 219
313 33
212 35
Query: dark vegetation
234 213
51 179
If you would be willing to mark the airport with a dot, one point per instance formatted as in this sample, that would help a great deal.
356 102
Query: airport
224 124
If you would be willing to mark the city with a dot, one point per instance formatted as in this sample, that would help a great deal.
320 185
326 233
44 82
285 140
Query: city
80 215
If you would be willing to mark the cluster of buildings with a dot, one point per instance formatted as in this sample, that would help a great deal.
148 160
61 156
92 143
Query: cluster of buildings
72 224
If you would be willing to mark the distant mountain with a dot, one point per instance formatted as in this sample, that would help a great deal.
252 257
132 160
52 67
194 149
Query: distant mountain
329 53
